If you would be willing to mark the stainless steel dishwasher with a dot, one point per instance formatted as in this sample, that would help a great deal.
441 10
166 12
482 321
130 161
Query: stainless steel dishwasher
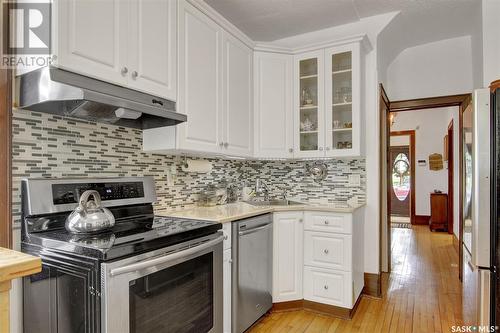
252 270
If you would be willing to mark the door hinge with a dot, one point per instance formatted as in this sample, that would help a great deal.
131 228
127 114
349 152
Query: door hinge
94 292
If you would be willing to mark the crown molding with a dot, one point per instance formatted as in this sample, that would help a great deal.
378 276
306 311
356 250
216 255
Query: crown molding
274 47
222 21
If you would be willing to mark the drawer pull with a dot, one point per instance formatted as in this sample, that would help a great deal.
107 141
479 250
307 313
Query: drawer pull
326 287
327 222
326 251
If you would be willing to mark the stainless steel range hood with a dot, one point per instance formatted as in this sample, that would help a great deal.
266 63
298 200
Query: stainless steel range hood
56 91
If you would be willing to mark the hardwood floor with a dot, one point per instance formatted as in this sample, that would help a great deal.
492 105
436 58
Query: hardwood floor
422 293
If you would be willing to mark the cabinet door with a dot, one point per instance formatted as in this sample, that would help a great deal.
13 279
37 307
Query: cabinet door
91 38
238 93
200 64
273 105
308 101
153 47
227 290
343 100
288 256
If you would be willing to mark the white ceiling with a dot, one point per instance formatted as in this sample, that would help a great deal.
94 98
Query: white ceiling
268 20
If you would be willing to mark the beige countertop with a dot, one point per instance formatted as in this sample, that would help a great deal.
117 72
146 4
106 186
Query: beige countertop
240 210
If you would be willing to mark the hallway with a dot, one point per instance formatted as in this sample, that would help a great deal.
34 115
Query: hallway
422 294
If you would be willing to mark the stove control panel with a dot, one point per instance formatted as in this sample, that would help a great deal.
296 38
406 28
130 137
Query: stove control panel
70 193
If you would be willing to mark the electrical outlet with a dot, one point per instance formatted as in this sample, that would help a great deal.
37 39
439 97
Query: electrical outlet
354 180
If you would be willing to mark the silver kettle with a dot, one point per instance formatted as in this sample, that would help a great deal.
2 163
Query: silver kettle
89 216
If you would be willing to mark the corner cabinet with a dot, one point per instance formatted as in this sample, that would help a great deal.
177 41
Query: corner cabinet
288 244
273 105
128 43
215 91
328 119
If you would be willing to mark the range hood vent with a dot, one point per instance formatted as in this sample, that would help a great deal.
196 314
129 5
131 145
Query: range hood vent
56 91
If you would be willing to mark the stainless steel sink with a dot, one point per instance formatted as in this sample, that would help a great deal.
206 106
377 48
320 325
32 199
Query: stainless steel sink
275 202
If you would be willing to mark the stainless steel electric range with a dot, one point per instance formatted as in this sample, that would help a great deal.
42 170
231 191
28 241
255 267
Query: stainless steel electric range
147 274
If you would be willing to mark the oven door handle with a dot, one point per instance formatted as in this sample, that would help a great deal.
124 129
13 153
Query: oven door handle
165 258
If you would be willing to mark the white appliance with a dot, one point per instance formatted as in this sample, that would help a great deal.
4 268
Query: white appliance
478 265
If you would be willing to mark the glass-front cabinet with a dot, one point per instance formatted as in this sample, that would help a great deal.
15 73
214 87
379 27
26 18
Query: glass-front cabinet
328 102
310 98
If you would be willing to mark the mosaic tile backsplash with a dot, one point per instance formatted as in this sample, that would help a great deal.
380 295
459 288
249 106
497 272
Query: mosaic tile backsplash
46 145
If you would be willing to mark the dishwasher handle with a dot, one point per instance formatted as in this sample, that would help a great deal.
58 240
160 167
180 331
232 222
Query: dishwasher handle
251 231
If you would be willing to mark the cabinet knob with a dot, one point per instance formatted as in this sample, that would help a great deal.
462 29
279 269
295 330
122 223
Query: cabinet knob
300 220
225 237
135 74
124 70
327 222
290 150
226 144
221 144
327 148
230 261
321 148
326 287
326 251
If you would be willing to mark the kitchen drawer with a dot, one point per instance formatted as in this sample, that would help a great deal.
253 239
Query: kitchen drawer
328 222
328 286
328 250
226 230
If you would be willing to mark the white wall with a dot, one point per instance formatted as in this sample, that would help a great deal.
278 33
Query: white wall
430 127
491 41
434 69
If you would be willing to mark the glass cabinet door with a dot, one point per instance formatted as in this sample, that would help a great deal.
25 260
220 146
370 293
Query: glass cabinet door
341 102
310 100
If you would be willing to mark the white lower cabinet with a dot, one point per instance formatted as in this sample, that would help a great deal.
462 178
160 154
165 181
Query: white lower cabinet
333 257
326 286
318 256
226 277
287 256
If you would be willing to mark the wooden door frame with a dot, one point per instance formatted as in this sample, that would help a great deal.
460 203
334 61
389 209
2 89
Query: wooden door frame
411 134
451 178
386 107
5 141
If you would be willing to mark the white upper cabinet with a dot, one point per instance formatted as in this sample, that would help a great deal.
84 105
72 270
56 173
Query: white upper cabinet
238 96
153 53
92 37
328 102
129 43
309 125
343 101
273 105
200 81
215 91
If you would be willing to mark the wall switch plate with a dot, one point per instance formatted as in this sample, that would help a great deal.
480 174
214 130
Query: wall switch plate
354 180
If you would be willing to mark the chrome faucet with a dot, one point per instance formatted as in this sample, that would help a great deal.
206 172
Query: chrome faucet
261 188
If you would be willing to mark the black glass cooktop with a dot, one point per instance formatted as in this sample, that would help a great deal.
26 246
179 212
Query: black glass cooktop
127 237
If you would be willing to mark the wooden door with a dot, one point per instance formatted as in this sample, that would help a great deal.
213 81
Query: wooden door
200 75
152 55
400 180
238 96
92 38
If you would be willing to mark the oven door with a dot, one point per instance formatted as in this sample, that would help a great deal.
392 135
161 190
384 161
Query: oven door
175 289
